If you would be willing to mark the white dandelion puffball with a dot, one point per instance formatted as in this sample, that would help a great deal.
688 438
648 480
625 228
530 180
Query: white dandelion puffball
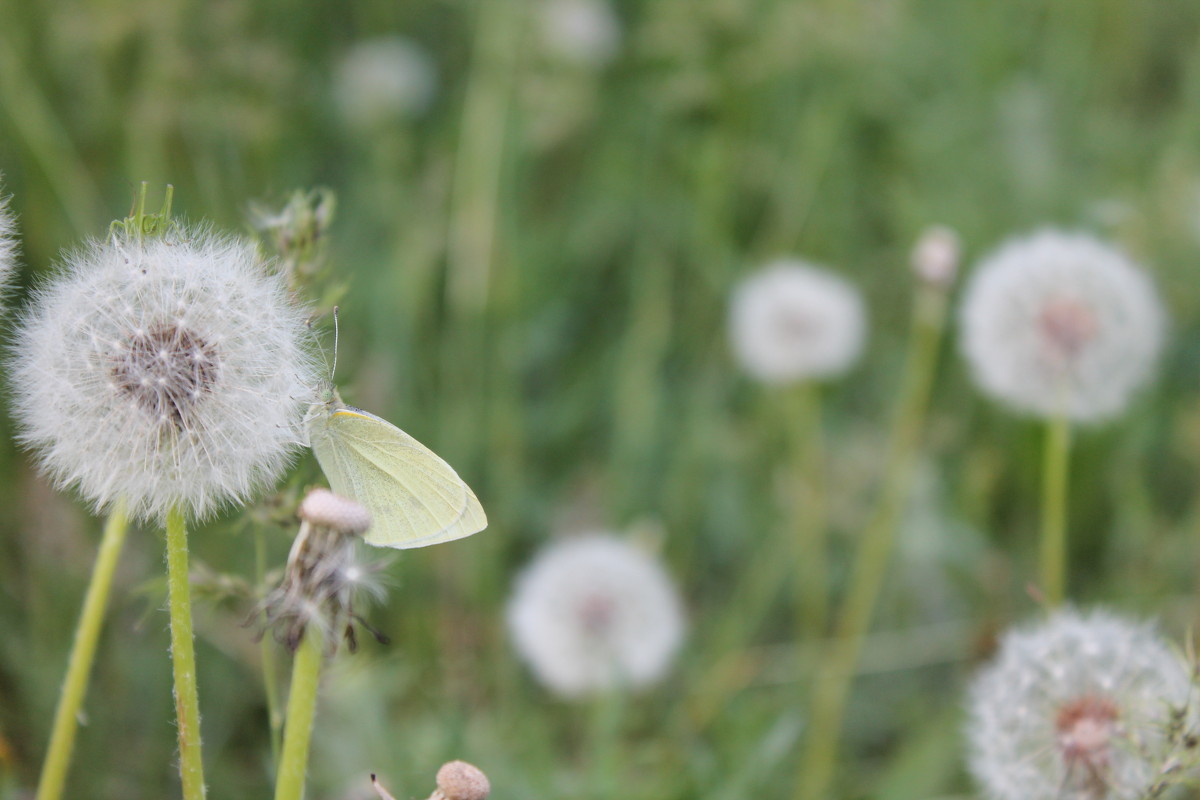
1061 323
595 613
8 243
381 80
585 32
1075 708
168 372
792 321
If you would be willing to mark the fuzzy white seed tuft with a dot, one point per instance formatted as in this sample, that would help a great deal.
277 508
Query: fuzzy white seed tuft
458 780
584 32
595 613
324 508
172 372
1079 707
935 256
381 80
8 244
1061 323
792 321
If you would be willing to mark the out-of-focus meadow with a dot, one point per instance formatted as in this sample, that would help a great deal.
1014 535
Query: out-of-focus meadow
533 269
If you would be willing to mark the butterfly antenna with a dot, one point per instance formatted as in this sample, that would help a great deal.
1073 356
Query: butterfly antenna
333 371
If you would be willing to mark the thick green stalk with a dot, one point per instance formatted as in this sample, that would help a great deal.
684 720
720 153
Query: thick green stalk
301 709
183 658
83 653
1056 459
831 686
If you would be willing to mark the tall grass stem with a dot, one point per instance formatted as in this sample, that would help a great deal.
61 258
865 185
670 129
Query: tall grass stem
835 674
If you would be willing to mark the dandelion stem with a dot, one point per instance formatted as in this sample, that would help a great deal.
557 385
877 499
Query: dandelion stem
605 757
1055 463
83 654
301 709
807 507
183 657
831 685
267 651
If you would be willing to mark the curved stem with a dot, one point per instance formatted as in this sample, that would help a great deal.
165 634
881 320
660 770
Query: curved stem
836 672
301 709
83 653
183 658
1055 462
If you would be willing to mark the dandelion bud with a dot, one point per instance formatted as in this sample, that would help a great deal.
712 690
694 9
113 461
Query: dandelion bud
935 257
171 370
1060 323
1078 706
322 580
595 613
458 780
792 321
325 509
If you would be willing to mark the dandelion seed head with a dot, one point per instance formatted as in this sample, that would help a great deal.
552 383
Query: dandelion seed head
1075 708
585 32
935 256
792 321
171 371
382 80
1061 322
8 244
323 507
595 613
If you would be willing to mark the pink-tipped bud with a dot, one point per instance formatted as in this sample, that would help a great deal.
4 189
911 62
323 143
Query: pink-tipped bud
328 510
458 780
935 257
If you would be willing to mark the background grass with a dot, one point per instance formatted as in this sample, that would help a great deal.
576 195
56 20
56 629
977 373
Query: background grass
588 382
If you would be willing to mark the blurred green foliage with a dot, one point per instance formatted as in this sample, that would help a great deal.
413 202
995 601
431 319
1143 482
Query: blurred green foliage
536 274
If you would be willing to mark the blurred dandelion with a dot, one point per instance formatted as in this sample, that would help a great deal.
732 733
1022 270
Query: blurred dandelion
456 780
384 80
595 613
171 371
583 32
1081 706
792 321
1061 323
8 243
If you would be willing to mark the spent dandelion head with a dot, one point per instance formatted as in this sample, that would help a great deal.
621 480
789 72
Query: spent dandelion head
935 256
323 579
584 32
382 80
791 321
1061 323
1079 707
595 613
170 370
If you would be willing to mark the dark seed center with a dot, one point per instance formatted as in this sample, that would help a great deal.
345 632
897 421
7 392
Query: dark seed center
167 370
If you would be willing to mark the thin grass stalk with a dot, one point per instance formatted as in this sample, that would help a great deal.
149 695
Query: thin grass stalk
807 512
183 657
835 674
83 654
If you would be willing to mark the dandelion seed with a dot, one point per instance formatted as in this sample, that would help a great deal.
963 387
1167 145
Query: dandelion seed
585 32
1077 708
171 371
382 80
1061 323
792 321
8 244
595 613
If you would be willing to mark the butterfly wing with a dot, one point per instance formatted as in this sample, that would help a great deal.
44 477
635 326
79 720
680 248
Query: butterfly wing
415 498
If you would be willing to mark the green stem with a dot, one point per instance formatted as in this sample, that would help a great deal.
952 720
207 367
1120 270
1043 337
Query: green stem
808 514
267 651
83 654
1056 459
831 686
301 709
183 657
605 757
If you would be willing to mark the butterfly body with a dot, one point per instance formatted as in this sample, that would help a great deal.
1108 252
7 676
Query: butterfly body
414 497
